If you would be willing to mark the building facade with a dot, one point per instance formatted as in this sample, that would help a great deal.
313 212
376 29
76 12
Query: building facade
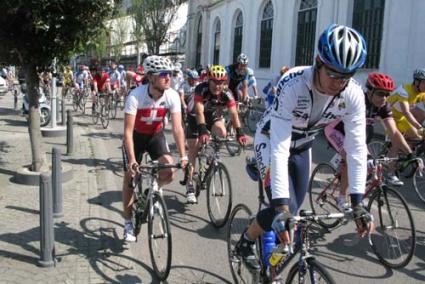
274 33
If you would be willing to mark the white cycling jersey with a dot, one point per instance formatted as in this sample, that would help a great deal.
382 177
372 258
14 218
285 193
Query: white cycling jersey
288 122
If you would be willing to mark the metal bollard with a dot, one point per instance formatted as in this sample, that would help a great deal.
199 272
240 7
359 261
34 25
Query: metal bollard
57 183
57 108
69 134
47 236
63 111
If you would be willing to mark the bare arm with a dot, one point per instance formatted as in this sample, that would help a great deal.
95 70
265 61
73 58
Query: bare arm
199 109
129 121
234 117
406 111
396 137
244 90
178 132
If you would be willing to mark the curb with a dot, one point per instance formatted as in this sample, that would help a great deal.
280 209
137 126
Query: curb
24 176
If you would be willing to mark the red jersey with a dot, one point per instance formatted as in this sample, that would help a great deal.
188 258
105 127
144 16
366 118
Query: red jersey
101 80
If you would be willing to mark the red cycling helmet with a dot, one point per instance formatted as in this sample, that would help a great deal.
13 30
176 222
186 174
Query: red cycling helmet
380 81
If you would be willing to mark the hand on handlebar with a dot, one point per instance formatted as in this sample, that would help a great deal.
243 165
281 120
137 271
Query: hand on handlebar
283 224
241 137
204 134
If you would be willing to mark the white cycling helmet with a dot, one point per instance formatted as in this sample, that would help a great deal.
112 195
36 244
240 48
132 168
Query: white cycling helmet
242 59
155 64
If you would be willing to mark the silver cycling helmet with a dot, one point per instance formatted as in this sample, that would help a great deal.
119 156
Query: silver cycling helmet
242 59
155 64
419 74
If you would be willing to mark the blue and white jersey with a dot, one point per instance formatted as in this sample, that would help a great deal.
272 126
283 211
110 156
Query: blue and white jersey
289 123
114 76
80 76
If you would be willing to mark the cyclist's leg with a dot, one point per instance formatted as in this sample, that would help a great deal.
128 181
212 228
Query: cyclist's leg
192 141
158 150
218 127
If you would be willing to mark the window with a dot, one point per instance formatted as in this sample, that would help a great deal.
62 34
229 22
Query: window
216 55
306 30
237 40
198 43
266 36
368 17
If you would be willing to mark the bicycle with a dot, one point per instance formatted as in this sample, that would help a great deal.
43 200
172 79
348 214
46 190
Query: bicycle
113 103
251 114
395 228
307 267
148 207
412 168
100 110
219 192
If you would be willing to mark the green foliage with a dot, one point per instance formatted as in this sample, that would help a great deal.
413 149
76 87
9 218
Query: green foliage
152 19
36 31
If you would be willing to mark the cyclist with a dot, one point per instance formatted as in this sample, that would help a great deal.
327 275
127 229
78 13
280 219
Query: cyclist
378 89
177 78
209 102
123 83
237 74
307 99
145 109
186 90
80 79
252 83
407 107
115 77
135 78
101 84
269 91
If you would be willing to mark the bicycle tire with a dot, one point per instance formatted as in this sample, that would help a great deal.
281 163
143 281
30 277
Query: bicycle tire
160 212
95 113
239 220
314 270
83 102
215 195
322 194
382 242
232 146
419 183
75 102
377 149
104 116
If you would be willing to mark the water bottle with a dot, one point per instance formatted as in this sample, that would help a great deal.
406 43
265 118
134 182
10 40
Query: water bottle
268 239
278 253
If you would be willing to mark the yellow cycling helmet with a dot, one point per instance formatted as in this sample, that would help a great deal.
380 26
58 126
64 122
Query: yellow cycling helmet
217 73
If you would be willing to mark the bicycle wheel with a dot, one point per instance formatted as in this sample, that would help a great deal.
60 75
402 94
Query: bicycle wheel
75 101
83 102
419 183
324 188
232 146
95 113
219 195
394 240
309 271
114 106
104 116
238 221
159 234
377 149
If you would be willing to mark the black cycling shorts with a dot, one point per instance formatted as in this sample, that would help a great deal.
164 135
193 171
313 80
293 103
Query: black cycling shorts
192 125
156 145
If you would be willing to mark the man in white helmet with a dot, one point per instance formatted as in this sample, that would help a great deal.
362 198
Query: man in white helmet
145 110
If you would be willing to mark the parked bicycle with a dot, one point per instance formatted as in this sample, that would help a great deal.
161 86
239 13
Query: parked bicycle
213 176
306 270
394 240
100 110
149 207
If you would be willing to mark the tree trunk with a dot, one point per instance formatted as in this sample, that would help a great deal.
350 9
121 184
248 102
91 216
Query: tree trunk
32 81
138 54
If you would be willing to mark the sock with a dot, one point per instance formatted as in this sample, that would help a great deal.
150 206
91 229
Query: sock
356 198
246 237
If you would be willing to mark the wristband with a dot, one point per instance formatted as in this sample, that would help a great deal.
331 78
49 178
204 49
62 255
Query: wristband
239 132
202 129
184 158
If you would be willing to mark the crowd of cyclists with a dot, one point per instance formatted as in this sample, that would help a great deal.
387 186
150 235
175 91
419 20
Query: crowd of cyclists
300 103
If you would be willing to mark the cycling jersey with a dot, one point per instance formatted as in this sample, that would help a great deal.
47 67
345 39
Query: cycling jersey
235 79
150 113
101 80
291 128
67 77
189 92
213 104
80 76
267 91
115 77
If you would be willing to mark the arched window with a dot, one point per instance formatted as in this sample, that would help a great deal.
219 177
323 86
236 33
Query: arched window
237 40
216 55
198 42
306 30
266 36
368 18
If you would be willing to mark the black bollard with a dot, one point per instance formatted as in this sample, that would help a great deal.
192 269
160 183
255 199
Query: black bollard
57 183
47 236
63 111
69 134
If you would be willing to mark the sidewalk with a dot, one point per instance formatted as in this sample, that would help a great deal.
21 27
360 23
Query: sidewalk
88 245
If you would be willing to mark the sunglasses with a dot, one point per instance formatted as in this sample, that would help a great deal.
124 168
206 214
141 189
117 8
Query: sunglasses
381 93
162 74
218 82
338 76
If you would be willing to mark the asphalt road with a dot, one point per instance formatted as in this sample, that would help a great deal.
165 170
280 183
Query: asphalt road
199 250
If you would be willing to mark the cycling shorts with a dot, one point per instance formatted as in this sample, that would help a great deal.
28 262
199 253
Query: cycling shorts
192 125
155 145
403 125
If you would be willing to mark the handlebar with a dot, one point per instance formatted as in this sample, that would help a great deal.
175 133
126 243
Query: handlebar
155 165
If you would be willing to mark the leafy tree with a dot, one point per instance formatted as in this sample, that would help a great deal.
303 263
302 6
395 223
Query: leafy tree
118 28
34 32
152 19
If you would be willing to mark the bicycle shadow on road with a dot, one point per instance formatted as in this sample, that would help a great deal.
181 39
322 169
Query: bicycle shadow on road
97 245
112 164
106 199
191 274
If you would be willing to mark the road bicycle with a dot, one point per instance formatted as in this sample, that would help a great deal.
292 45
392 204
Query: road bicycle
213 176
100 110
149 207
79 99
306 269
251 113
115 102
394 240
412 168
